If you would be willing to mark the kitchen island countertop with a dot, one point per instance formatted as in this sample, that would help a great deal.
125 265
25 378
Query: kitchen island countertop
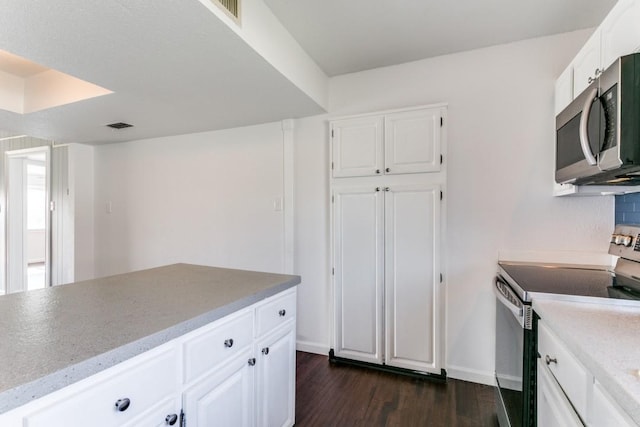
57 336
605 339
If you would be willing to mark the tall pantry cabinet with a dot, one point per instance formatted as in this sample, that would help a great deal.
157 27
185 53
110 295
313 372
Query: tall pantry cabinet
387 182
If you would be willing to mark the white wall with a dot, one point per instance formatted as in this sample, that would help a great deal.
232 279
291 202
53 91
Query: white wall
205 198
500 168
81 188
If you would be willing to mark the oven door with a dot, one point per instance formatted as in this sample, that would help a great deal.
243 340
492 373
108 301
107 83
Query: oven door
515 359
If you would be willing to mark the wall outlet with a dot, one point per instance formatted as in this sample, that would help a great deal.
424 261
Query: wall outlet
278 204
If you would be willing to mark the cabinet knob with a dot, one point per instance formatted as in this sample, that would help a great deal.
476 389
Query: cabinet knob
387 170
591 80
386 189
598 72
377 170
282 312
228 343
252 361
377 188
548 360
265 351
171 419
122 404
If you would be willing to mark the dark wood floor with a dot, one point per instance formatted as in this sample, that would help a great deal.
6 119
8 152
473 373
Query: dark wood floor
339 395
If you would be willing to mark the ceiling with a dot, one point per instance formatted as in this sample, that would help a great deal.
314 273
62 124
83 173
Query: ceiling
355 35
175 68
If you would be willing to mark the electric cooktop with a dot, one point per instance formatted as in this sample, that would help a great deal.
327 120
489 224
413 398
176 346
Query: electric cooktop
621 282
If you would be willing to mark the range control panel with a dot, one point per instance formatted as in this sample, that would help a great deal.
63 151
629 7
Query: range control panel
625 242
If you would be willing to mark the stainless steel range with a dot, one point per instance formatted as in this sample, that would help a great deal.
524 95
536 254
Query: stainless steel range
518 284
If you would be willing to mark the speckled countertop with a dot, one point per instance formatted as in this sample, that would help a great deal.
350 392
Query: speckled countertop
57 336
606 339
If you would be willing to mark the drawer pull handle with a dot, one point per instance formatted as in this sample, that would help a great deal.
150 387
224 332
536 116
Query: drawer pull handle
377 170
548 360
387 170
171 419
282 312
265 351
122 404
252 361
228 343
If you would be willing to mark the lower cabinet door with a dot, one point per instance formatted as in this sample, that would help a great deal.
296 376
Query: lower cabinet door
554 409
225 398
276 378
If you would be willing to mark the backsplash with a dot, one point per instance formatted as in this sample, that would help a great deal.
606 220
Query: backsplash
628 209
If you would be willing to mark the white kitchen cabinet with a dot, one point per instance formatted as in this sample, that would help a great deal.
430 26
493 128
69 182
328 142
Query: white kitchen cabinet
620 32
412 276
357 146
212 374
554 409
564 90
255 384
412 141
358 277
387 237
587 64
568 394
407 141
116 399
224 398
617 35
276 370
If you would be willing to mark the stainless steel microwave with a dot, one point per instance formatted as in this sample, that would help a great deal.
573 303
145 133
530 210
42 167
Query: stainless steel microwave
598 134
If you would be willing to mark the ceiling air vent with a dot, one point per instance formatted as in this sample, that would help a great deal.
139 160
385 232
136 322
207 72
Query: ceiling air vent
119 125
230 7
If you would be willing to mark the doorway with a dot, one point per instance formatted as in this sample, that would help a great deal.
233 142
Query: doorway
27 178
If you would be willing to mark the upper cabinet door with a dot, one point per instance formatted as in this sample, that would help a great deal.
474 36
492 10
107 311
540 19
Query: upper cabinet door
564 90
412 141
586 65
620 31
357 147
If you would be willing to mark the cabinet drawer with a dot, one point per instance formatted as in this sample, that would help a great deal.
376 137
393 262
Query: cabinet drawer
217 342
276 312
163 414
145 380
568 371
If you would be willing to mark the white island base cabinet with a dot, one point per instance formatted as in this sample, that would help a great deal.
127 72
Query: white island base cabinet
237 371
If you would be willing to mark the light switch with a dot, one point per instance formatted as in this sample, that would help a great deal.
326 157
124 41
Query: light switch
277 204
109 207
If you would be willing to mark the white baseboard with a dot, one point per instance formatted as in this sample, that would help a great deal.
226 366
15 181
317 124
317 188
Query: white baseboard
312 347
471 375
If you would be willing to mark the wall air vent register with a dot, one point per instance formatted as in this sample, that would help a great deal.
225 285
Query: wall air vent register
230 7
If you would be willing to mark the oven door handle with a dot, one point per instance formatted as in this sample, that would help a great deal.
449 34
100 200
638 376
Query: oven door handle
518 312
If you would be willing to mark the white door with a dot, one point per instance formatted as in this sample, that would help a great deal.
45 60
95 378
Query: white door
27 219
412 277
620 31
356 147
224 399
358 272
412 141
276 381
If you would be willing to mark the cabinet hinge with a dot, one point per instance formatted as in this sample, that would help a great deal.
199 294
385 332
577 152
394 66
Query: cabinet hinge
332 199
441 121
441 159
440 277
441 195
333 271
183 419
331 165
331 133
